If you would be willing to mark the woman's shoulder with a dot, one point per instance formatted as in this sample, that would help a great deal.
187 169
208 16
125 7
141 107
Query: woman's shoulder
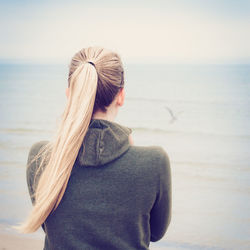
152 156
33 152
35 147
32 166
150 151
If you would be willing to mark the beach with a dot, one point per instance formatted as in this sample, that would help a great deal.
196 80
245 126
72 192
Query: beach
198 113
11 240
14 242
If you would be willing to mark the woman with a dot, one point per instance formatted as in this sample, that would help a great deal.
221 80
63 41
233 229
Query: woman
90 187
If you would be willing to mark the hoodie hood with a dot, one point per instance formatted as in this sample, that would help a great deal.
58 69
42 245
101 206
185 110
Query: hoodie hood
104 142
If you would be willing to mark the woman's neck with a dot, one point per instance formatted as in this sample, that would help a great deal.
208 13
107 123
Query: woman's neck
108 115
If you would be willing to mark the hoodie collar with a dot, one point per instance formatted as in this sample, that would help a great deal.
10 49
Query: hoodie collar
104 142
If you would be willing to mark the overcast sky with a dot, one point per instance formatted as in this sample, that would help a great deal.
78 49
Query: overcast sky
176 31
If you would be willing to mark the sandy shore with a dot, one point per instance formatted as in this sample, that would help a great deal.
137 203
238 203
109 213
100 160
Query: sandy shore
10 241
14 242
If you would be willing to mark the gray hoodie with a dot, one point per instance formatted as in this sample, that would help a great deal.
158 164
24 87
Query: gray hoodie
118 195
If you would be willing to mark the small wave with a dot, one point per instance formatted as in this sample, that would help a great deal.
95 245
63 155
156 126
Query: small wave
10 163
197 101
23 130
187 245
179 132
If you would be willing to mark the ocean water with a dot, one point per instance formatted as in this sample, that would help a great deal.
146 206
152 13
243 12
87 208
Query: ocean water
200 114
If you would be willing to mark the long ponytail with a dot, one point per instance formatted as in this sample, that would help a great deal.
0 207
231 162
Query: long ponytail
64 147
95 77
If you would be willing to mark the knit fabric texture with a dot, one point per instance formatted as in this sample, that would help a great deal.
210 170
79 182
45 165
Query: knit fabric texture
118 196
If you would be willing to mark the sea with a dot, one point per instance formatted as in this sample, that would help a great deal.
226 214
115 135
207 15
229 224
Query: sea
200 114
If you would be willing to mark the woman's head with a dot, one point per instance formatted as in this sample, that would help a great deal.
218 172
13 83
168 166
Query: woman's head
109 70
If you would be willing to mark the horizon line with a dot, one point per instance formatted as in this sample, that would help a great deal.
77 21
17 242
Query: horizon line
125 61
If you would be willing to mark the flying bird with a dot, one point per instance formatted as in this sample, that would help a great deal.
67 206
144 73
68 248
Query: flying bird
173 116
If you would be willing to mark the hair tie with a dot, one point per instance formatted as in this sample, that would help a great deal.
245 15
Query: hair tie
91 63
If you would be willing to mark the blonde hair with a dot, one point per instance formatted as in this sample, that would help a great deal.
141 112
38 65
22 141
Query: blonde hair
95 77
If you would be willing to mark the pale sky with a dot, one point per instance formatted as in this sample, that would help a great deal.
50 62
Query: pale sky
176 31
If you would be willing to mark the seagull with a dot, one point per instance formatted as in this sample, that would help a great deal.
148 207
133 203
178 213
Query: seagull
174 117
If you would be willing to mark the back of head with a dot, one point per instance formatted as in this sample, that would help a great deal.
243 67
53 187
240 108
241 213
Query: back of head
109 70
95 78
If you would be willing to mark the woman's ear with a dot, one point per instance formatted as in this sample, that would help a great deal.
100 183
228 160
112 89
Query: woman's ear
130 139
121 97
67 92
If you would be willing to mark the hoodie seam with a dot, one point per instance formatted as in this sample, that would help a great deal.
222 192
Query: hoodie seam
98 148
100 145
